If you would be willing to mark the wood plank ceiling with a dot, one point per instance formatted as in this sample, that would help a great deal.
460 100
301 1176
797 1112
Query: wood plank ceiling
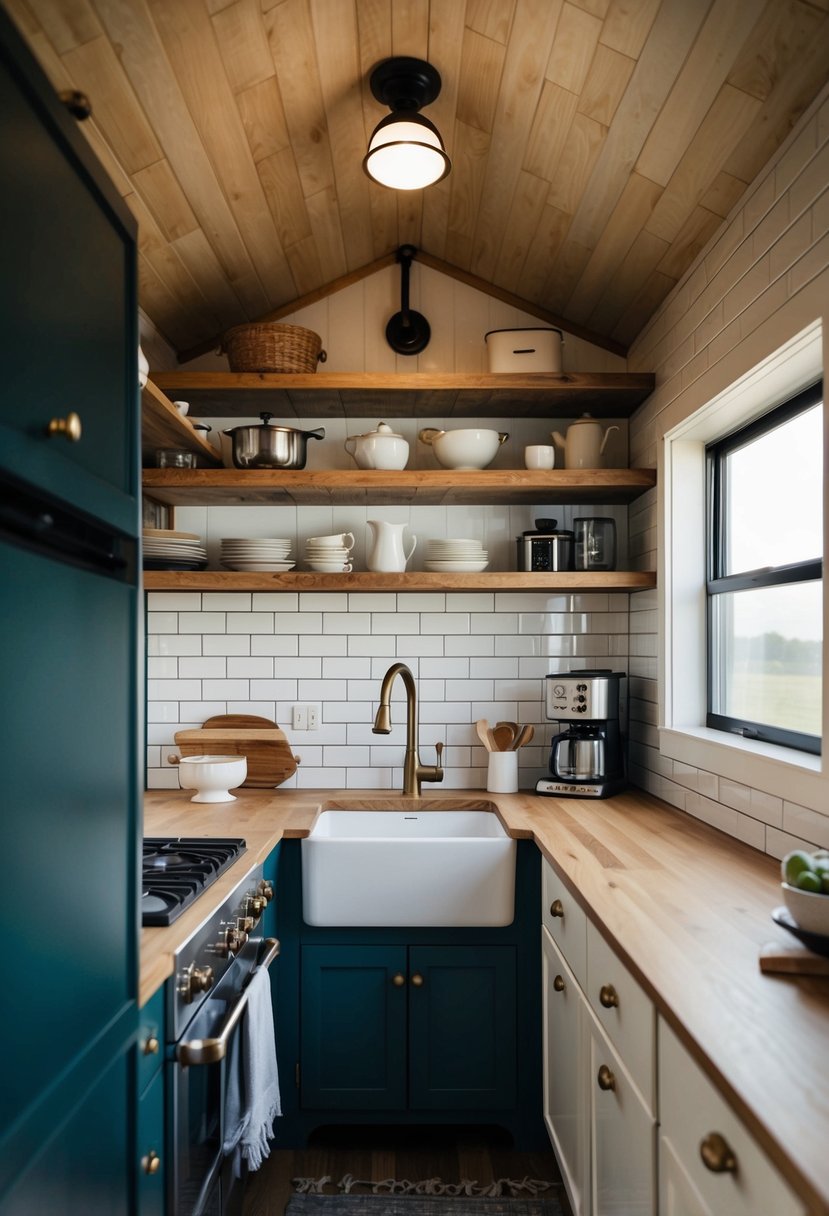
596 144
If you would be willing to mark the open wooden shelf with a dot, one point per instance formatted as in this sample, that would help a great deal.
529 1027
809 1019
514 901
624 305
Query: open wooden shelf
162 426
499 580
377 487
407 395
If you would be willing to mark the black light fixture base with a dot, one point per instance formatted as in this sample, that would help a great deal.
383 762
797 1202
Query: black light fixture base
405 83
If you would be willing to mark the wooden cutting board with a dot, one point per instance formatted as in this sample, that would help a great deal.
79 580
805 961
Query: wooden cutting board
269 756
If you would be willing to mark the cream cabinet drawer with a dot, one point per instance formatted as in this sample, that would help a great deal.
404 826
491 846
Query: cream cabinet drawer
698 1126
565 920
624 1011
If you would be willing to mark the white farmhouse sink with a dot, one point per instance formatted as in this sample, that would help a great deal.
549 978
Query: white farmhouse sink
408 867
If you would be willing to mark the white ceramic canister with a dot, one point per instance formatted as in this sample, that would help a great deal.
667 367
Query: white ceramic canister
502 772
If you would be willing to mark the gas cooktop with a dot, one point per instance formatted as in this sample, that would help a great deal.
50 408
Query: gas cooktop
176 870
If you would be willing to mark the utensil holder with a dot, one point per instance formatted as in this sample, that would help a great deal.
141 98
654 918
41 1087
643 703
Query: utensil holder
502 773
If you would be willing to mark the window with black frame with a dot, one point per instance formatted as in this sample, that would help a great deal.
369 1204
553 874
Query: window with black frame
765 576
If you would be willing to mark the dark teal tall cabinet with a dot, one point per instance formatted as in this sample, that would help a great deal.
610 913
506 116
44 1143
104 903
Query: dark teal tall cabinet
69 559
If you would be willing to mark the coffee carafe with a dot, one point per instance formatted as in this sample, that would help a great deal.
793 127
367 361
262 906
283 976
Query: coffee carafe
587 755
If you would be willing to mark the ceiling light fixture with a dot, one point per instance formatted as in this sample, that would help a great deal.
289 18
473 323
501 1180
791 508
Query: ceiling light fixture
405 151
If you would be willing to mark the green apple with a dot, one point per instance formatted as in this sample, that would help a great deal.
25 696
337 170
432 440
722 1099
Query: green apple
795 863
807 880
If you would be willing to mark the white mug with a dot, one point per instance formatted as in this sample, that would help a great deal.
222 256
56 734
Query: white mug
540 456
502 773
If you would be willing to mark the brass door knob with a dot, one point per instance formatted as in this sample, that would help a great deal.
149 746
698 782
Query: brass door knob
398 979
717 1154
77 103
608 997
70 426
557 908
417 980
151 1163
559 984
606 1078
151 1045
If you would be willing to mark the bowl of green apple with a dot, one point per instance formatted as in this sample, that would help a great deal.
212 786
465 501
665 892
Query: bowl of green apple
806 889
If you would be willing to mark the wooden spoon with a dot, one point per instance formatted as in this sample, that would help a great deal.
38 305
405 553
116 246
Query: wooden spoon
524 736
503 734
513 726
485 735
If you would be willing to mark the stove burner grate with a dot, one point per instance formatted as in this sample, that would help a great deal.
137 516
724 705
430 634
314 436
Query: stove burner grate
175 871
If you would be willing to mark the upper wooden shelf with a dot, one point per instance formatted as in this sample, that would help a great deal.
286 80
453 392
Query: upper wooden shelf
407 395
415 580
162 426
376 487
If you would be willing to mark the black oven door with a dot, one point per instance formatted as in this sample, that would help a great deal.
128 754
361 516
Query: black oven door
197 1083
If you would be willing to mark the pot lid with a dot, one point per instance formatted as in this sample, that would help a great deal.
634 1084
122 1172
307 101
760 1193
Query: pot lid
383 430
584 418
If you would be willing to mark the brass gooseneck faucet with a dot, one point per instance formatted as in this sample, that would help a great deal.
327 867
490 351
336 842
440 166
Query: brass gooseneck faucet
413 771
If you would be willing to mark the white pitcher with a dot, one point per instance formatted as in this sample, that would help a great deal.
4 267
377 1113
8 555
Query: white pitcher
584 444
386 554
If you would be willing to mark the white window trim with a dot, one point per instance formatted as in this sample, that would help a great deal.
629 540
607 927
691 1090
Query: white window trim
683 736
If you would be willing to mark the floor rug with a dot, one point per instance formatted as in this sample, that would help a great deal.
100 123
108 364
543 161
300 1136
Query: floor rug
431 1197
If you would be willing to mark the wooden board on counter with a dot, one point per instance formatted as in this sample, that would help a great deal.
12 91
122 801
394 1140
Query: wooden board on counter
406 487
409 394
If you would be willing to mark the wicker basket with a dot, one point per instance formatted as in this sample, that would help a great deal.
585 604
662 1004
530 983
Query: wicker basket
268 347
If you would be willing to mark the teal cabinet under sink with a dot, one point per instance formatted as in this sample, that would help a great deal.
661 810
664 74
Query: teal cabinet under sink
409 1026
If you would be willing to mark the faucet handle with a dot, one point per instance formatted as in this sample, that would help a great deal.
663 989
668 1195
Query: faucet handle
439 750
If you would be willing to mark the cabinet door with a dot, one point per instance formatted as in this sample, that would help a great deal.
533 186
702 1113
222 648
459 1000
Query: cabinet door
353 1048
677 1194
566 1061
623 1135
462 1027
68 340
150 1149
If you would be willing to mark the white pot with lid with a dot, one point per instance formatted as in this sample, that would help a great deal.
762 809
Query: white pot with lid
380 449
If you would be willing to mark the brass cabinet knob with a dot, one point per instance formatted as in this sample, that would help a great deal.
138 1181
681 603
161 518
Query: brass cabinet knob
398 980
608 997
151 1045
559 984
77 103
417 980
70 426
717 1154
606 1078
557 908
151 1163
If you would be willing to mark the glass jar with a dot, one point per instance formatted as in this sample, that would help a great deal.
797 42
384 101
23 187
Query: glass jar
595 543
175 458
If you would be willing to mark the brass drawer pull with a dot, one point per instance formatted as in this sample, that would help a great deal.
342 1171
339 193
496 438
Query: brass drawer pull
559 984
557 908
717 1154
70 426
608 997
151 1164
151 1045
417 980
606 1078
398 980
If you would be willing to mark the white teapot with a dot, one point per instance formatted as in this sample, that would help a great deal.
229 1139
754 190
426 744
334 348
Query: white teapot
380 449
584 444
386 554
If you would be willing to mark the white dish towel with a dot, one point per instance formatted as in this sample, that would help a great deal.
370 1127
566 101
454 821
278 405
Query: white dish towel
252 1099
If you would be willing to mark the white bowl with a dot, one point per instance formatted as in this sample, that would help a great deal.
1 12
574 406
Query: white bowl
212 777
810 910
322 567
467 448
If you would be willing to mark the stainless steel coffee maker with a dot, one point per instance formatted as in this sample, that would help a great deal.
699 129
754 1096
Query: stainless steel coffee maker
587 756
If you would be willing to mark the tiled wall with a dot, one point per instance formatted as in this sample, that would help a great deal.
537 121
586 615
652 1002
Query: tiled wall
763 277
474 655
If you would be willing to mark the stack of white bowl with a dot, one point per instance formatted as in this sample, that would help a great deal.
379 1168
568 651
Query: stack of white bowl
266 555
330 554
461 556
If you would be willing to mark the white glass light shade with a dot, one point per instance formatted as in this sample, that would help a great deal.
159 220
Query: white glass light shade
406 153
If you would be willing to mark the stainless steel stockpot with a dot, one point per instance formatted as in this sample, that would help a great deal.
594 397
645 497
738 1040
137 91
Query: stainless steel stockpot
268 446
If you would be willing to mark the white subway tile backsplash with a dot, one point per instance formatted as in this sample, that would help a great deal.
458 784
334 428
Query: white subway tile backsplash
275 601
273 690
323 601
200 622
225 644
250 622
351 668
420 601
173 690
174 601
338 622
394 622
226 601
444 622
321 645
493 622
275 644
162 622
286 667
365 644
216 690
253 667
162 668
162 711
368 601
465 644
202 668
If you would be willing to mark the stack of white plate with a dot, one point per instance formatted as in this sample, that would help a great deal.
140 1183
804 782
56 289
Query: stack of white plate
463 556
168 550
267 555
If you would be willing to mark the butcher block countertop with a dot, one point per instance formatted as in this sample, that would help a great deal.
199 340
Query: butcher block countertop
686 908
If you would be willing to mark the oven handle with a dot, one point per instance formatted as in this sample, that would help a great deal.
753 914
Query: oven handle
210 1051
